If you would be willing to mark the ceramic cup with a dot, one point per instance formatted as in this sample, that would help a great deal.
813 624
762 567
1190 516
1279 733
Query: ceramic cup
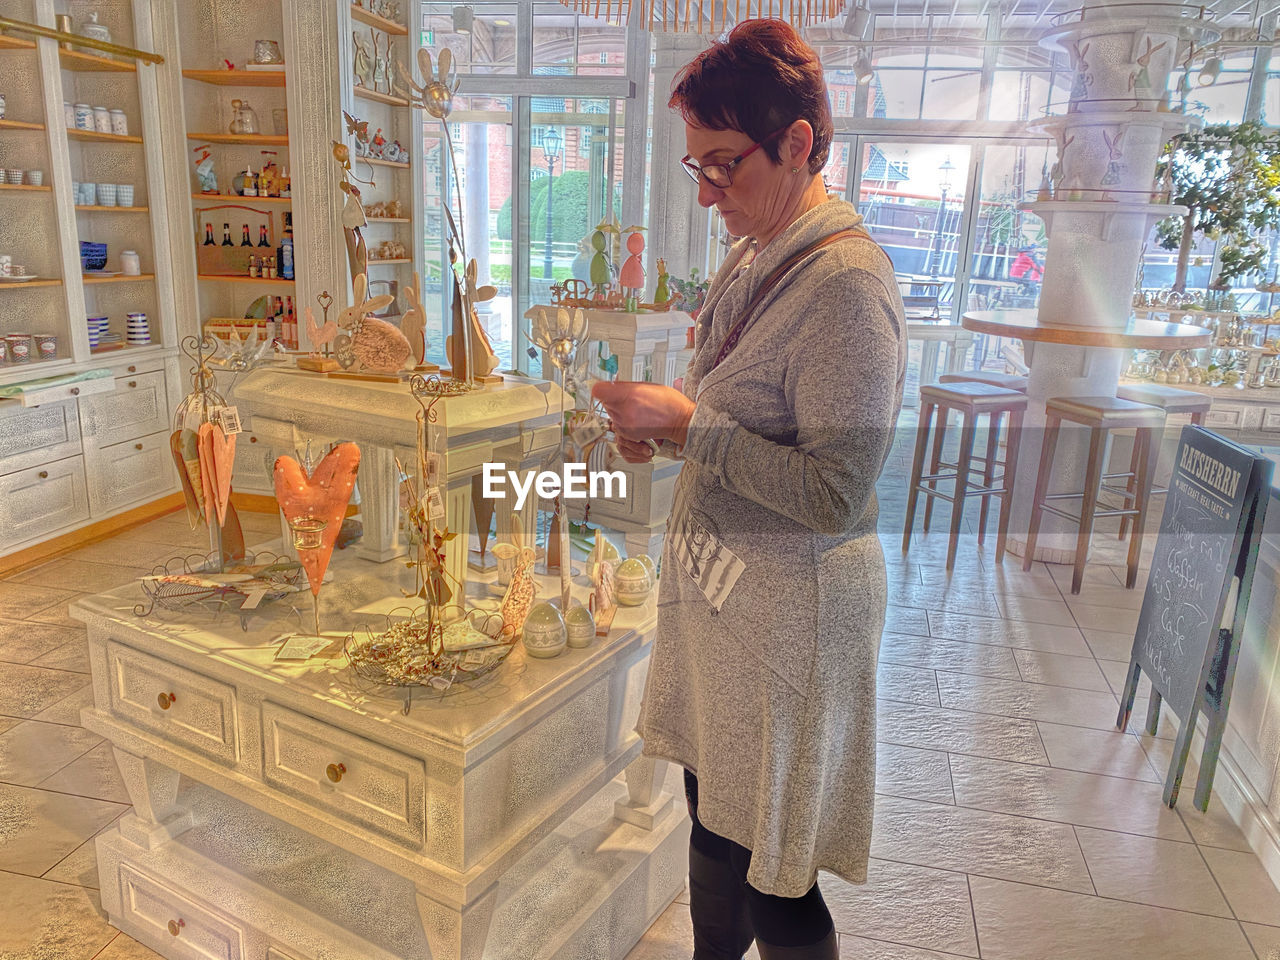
19 347
106 194
88 194
119 123
130 263
68 114
84 116
124 194
13 175
75 191
19 270
101 119
46 346
6 265
35 177
4 351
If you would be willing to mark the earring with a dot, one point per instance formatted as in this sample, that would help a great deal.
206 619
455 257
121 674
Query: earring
795 169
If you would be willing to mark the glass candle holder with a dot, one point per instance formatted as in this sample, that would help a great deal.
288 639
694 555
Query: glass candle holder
308 532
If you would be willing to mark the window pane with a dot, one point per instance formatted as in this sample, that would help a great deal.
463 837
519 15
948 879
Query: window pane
576 45
489 47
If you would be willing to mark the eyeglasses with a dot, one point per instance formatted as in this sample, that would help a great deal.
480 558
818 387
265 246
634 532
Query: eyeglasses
718 174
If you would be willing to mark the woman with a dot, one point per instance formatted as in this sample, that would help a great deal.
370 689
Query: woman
771 604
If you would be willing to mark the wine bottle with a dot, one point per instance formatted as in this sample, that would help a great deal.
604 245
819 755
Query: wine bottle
262 236
244 236
208 235
226 235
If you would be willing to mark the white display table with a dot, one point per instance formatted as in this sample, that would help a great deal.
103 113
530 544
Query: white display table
294 811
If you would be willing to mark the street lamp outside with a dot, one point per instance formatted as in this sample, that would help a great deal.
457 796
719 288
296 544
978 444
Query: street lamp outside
551 143
935 248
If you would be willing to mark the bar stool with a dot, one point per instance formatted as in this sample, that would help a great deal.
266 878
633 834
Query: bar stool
969 400
1172 401
1100 415
1006 381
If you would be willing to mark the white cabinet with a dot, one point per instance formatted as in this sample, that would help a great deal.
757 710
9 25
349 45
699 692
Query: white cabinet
129 472
39 500
37 435
186 929
138 406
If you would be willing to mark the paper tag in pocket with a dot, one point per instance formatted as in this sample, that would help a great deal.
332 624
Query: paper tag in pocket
712 566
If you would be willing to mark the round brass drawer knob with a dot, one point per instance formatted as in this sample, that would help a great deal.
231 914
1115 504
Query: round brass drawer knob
133 383
137 446
43 474
166 700
133 369
75 391
176 925
335 771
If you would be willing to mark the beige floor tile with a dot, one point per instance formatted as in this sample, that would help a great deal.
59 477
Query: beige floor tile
933 653
67 710
906 684
1117 672
1107 752
1020 922
1031 701
21 600
133 552
979 842
32 750
907 904
1067 796
124 947
80 866
861 948
50 921
1115 595
72 655
908 772
1214 827
1265 940
1036 610
670 938
1098 574
955 731
943 596
57 614
1109 645
68 573
1166 728
1113 619
1252 894
1058 670
93 775
39 828
1008 633
1008 581
1162 873
22 641
899 619
26 690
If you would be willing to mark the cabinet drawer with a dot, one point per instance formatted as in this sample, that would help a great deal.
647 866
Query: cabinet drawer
345 774
136 408
170 917
131 471
37 435
254 469
275 953
38 501
181 705
1224 415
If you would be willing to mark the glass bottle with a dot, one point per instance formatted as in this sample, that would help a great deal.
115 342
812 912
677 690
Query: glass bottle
244 236
262 235
226 235
243 119
208 235
284 252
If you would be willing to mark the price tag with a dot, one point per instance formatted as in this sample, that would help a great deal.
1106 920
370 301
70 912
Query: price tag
230 419
303 646
435 505
435 463
440 683
587 433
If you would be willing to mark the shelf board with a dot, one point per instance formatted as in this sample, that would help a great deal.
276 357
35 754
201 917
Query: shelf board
367 16
20 125
29 284
378 162
96 137
93 208
365 93
94 63
238 199
231 278
388 219
120 279
237 78
260 139
15 43
24 186
374 263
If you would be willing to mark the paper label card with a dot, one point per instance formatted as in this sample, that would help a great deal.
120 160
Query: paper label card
587 433
300 646
435 505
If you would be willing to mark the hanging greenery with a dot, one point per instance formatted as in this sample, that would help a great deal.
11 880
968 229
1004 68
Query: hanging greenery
1228 176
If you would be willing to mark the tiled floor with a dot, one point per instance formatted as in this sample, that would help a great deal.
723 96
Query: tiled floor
1013 821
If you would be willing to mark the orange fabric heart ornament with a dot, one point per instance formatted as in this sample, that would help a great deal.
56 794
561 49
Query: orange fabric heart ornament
322 496
217 460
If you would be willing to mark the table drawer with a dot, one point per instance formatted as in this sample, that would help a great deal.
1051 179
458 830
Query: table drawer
130 472
1225 416
40 500
37 435
345 774
192 710
186 929
137 407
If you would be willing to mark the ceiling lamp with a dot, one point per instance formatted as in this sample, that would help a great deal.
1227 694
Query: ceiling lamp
1209 72
863 71
705 16
463 17
858 20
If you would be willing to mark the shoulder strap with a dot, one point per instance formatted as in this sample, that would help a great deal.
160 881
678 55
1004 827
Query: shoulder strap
735 333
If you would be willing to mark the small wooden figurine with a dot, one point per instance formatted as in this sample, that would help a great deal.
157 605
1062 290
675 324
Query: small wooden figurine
631 278
601 275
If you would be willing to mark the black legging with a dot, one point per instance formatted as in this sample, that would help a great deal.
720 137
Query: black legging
781 921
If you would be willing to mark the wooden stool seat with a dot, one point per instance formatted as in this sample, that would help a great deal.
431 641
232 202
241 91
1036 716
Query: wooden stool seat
969 399
1008 381
1100 415
1169 399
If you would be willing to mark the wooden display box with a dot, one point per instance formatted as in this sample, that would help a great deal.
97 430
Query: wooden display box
218 260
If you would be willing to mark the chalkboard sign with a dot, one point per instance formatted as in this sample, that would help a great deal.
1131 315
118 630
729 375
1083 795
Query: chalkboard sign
1212 516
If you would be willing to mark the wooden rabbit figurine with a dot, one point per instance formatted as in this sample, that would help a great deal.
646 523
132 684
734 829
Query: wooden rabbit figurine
522 589
413 322
377 345
468 348
363 65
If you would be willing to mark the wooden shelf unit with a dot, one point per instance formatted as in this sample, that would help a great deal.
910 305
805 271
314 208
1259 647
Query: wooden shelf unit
96 208
231 278
251 139
374 263
95 137
237 78
94 63
29 284
364 93
235 198
25 186
377 162
15 43
20 125
120 279
368 17
388 220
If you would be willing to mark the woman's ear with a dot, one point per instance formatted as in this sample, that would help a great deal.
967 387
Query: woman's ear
797 143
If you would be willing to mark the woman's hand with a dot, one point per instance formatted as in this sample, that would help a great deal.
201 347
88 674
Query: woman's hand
645 411
636 451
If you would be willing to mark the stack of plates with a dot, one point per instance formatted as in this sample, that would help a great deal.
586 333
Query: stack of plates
98 327
139 330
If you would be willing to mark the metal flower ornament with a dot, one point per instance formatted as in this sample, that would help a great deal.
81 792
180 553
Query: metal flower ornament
560 335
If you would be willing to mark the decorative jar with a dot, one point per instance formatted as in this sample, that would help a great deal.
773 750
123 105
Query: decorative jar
633 582
544 634
580 626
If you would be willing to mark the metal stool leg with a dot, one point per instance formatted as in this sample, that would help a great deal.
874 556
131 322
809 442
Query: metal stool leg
1146 468
917 469
989 474
939 436
1052 424
1012 442
1092 480
963 462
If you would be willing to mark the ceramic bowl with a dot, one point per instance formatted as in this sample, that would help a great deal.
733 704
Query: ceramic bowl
580 626
633 582
544 631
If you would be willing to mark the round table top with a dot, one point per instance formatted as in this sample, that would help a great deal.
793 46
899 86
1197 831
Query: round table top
1137 333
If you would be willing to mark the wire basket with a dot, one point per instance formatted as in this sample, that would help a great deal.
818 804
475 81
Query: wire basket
187 584
410 651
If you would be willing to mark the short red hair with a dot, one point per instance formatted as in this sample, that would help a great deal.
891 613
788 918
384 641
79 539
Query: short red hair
761 78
